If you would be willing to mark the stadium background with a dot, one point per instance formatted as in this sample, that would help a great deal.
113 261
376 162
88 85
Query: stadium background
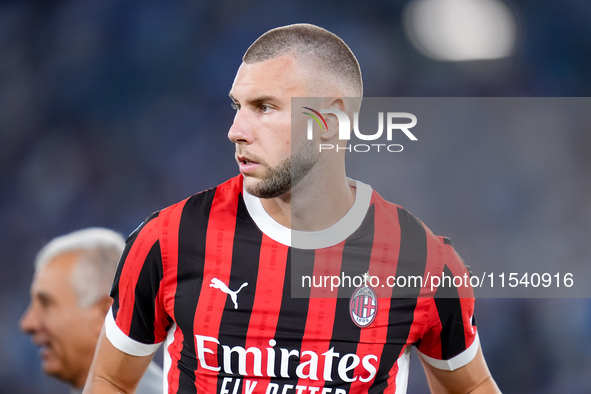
110 110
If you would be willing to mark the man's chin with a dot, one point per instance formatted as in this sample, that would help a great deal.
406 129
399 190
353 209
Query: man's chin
261 189
256 191
52 368
251 184
66 374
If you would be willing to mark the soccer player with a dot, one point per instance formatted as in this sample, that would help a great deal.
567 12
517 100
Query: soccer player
69 301
212 275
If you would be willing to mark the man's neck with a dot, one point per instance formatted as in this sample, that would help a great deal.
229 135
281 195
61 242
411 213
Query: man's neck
312 208
75 390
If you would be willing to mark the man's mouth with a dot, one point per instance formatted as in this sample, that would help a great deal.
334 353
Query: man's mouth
247 161
44 350
246 164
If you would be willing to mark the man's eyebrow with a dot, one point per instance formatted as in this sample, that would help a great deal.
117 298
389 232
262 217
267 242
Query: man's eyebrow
255 101
44 297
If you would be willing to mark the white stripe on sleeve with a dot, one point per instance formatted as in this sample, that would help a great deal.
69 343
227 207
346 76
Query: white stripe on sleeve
125 343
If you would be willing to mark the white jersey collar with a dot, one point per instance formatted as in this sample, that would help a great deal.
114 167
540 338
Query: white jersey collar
333 235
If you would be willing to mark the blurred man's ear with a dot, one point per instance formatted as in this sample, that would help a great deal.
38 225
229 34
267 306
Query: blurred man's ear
103 305
99 311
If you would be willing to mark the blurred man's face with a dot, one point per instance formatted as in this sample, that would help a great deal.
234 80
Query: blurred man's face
65 332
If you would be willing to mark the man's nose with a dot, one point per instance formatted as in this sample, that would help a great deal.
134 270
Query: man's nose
30 322
241 130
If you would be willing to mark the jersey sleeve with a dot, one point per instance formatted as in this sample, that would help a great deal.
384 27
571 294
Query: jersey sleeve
137 323
450 340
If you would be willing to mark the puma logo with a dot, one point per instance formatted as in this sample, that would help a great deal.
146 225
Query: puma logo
218 284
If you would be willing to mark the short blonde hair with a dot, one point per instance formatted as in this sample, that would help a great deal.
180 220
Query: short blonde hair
312 45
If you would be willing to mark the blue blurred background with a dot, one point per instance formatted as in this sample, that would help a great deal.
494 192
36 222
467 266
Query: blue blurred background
110 110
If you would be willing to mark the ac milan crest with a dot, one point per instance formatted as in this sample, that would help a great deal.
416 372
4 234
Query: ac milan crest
363 306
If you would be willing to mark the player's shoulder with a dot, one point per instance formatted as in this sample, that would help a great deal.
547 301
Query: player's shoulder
406 219
230 187
382 205
414 226
195 207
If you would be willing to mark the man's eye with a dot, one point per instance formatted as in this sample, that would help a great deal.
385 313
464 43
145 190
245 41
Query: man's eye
44 302
235 106
264 108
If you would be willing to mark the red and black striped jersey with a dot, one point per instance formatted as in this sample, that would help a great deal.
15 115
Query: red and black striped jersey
235 298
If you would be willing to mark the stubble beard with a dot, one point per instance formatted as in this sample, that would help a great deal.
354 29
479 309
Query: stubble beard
280 179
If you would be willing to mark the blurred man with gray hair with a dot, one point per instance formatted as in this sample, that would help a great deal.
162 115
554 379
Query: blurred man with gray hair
69 301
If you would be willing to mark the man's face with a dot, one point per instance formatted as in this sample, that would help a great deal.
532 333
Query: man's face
65 332
261 130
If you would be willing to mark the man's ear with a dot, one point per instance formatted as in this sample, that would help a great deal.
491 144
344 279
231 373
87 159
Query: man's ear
103 305
336 103
98 311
